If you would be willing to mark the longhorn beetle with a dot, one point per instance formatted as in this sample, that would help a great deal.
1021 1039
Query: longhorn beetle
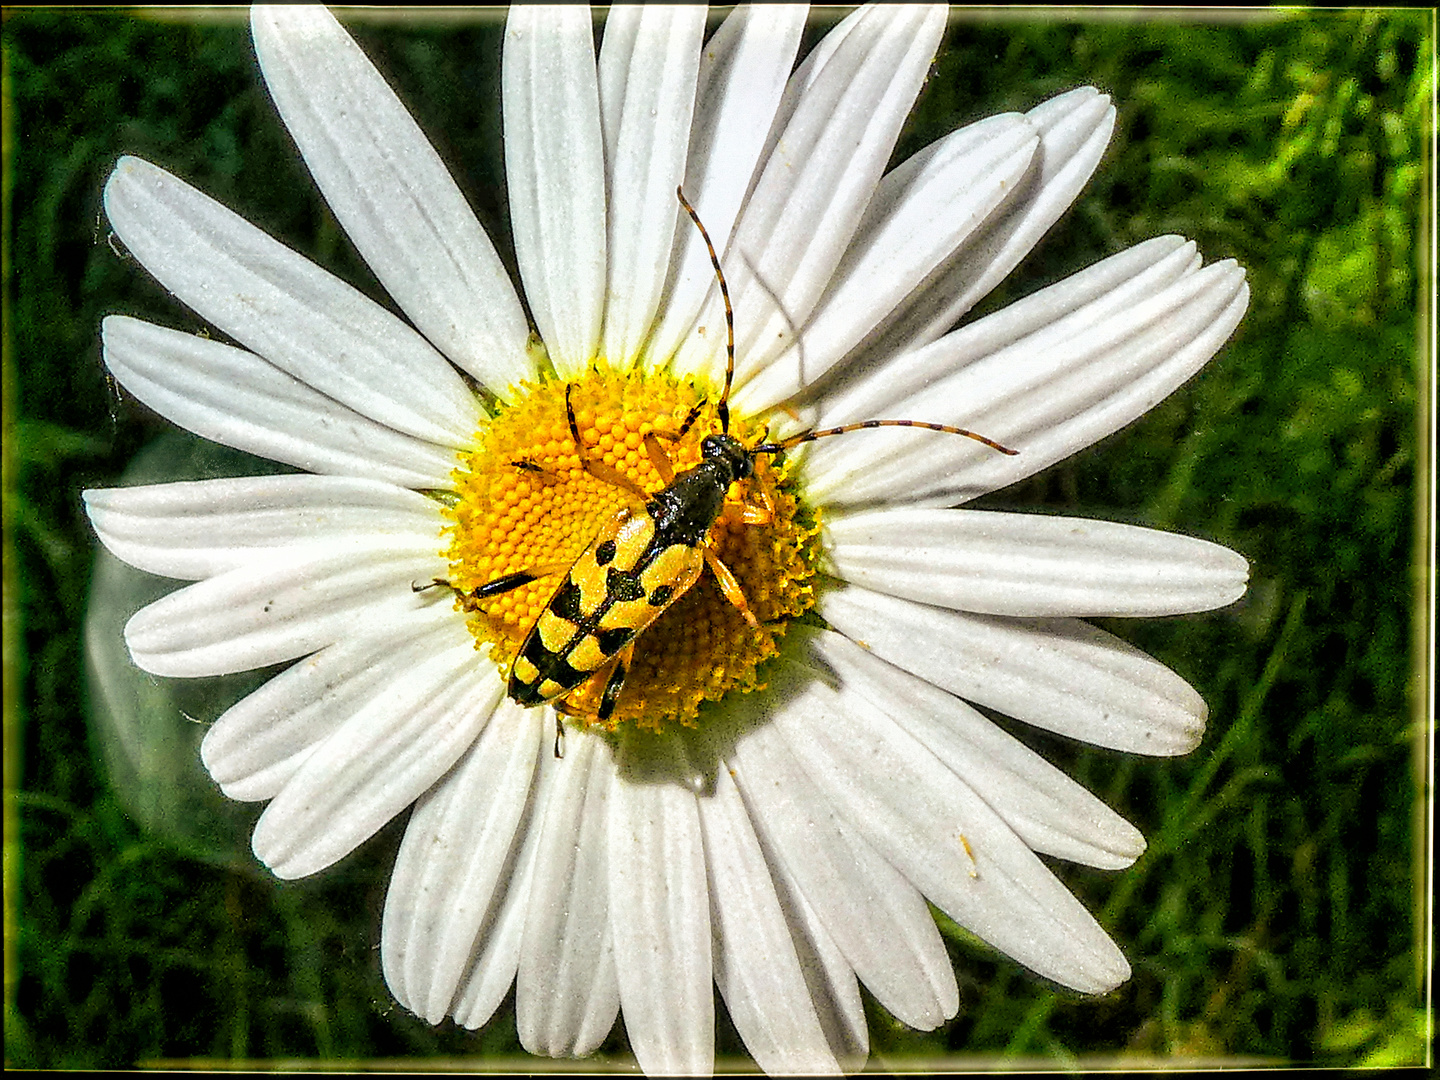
642 560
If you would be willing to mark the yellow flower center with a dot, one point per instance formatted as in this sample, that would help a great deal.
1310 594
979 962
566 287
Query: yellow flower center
528 505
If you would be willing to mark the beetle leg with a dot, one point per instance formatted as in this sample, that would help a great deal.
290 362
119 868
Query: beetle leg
614 674
605 474
562 708
503 584
729 586
690 419
598 469
659 458
761 512
615 683
685 426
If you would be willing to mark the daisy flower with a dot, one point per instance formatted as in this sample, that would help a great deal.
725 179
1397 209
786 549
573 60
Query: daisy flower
772 804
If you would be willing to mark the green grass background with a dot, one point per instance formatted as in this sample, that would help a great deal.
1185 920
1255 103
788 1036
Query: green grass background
1275 915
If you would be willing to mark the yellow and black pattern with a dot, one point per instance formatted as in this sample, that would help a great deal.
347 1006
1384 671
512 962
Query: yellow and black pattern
528 510
625 579
723 499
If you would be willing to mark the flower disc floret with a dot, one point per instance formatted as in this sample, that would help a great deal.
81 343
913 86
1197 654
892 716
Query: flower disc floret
527 504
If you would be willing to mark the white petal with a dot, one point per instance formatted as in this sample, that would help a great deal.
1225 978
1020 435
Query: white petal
497 954
451 869
566 993
378 763
756 966
258 744
1074 128
1059 674
648 64
235 398
842 112
555 170
1049 811
661 909
275 302
1112 285
743 69
922 212
198 529
834 989
877 919
1032 564
392 194
1089 365
944 838
292 603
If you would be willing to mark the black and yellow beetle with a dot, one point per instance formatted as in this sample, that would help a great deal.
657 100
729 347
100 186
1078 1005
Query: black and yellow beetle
643 559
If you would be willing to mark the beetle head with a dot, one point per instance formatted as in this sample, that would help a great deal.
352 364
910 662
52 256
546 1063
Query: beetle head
729 451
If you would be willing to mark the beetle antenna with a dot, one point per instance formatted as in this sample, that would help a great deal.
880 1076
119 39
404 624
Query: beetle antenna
723 408
811 436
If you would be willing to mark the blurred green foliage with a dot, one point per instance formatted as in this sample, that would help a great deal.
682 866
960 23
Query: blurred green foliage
1274 915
